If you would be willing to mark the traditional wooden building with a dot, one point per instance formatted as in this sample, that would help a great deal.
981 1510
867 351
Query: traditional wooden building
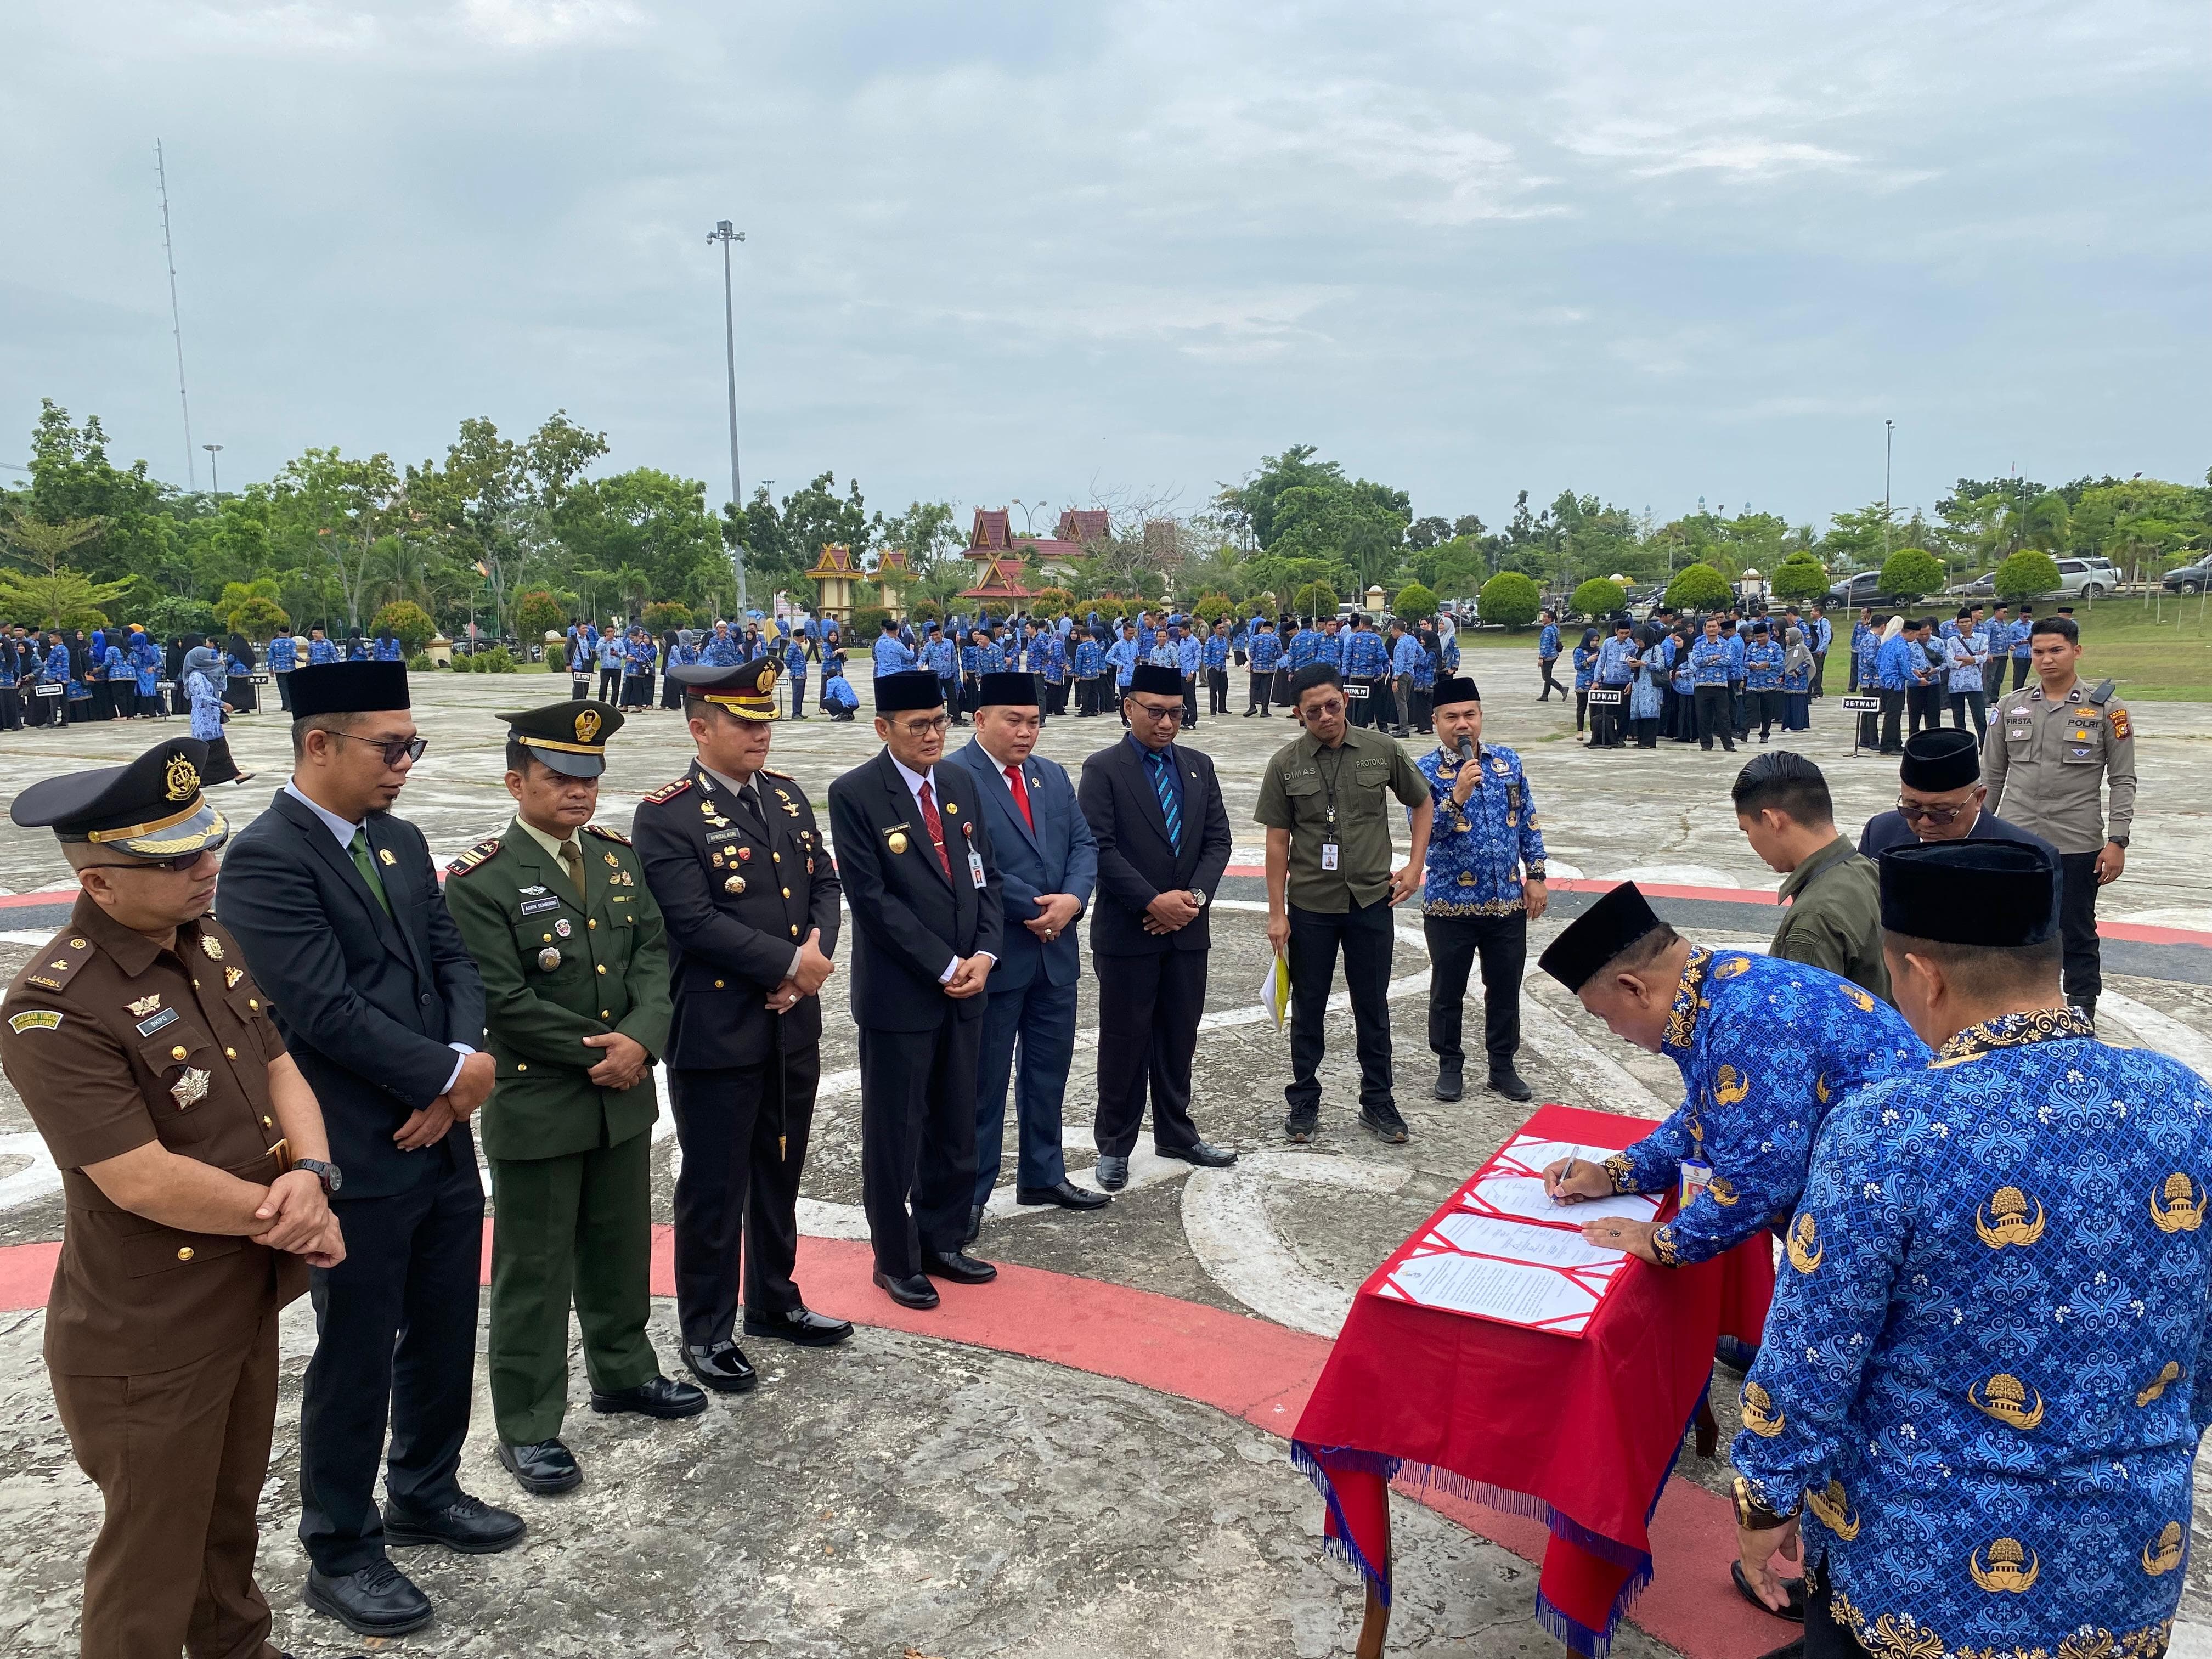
894 572
833 577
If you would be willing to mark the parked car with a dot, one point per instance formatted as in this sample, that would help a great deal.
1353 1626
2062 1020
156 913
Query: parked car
2085 578
2190 578
1861 589
1982 587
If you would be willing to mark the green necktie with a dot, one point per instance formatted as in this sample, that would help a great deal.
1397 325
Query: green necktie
365 861
572 860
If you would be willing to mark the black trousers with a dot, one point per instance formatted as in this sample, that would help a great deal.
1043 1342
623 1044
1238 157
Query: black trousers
1190 700
1217 690
396 1323
2019 667
1455 942
951 697
1926 706
1824 1637
1148 1013
1892 718
1544 667
2077 928
1715 717
1261 693
1769 705
1364 934
610 681
737 1195
797 697
1820 667
1737 712
1581 707
283 691
918 1139
1961 702
11 709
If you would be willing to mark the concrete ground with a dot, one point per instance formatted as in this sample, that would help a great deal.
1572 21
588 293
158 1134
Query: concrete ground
910 1494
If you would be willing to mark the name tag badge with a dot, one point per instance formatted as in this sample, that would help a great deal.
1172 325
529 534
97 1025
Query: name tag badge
167 1016
532 907
975 867
1328 855
1696 1175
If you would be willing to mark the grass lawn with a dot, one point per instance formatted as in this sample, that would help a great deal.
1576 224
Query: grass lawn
2154 661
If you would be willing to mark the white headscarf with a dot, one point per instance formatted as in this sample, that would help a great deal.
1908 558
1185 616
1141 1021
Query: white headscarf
1895 626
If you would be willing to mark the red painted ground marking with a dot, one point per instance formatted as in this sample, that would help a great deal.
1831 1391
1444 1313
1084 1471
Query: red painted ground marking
1247 1368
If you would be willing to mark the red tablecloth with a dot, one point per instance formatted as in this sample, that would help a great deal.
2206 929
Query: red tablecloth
1579 1433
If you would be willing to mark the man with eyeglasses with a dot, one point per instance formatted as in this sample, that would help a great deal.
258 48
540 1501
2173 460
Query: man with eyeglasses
196 1173
914 856
1941 797
335 901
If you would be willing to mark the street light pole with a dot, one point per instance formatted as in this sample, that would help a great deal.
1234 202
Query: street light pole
215 478
1888 435
725 233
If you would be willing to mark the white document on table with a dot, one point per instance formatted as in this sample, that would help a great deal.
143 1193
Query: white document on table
1524 1196
1552 1247
1516 1292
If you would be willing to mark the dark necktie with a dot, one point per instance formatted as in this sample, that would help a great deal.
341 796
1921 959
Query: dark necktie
935 825
365 861
1161 765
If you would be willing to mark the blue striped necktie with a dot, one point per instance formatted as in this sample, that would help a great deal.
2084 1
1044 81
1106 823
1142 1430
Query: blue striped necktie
1159 762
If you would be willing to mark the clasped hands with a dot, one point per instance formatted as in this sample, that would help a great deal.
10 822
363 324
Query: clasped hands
812 973
431 1124
1060 910
1171 911
300 1221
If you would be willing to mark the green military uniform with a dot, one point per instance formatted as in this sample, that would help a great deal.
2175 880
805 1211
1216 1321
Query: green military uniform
571 1188
1834 918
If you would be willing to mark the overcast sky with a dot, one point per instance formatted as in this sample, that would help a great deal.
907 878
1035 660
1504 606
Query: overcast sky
1654 250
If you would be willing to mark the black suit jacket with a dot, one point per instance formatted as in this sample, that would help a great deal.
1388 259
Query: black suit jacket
908 920
366 1002
1137 862
728 950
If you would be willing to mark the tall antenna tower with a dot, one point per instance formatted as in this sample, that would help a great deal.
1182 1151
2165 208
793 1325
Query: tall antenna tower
176 318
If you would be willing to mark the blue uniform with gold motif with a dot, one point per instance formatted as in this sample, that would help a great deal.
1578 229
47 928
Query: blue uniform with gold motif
1985 1370
1765 1048
1472 900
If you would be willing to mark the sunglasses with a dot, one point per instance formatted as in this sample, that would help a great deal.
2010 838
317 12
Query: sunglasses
394 750
1914 814
177 866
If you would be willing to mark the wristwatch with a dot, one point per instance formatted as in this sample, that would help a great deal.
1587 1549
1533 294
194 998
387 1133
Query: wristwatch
1535 872
326 1173
1198 898
2120 841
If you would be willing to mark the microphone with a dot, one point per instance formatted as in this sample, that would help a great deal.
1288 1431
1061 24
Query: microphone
1465 747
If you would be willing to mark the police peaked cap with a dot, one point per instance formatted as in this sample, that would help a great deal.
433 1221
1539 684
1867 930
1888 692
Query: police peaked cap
1999 895
569 736
746 690
150 809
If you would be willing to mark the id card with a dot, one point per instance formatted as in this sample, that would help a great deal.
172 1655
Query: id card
975 867
1696 1175
1328 855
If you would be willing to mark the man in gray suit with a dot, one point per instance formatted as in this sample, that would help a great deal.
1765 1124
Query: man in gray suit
1048 865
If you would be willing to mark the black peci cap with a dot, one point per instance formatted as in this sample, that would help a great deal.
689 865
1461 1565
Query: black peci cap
1452 688
1999 895
917 688
348 687
1156 678
150 809
569 736
746 690
1598 935
1008 690
1945 758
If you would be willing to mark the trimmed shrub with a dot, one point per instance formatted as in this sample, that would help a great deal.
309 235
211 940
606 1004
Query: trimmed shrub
1413 603
1212 608
663 614
1699 587
421 665
1801 577
867 623
257 617
1051 601
1316 599
410 623
1598 596
1509 599
2027 575
1912 572
537 611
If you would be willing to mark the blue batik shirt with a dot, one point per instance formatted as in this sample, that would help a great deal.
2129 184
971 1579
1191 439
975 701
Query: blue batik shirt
1365 656
385 650
1216 649
1404 653
794 656
1989 1364
1089 657
321 651
1613 657
1585 660
1330 649
723 651
1762 666
939 656
1548 641
891 657
1122 653
1765 1048
642 654
1478 851
1050 656
1734 643
1710 662
1896 662
1424 669
283 654
1303 649
1267 650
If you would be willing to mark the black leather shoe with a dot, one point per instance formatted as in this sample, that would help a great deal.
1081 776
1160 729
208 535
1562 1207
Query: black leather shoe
915 1290
378 1601
1794 1610
545 1467
1112 1173
1450 1079
801 1325
721 1368
1384 1124
1506 1081
663 1397
959 1267
974 1224
467 1526
1206 1157
1067 1194
1301 1123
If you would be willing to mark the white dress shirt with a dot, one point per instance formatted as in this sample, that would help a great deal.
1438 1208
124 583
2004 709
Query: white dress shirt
913 782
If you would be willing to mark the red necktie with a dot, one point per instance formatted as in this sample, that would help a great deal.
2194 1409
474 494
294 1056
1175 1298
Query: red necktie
1021 796
936 828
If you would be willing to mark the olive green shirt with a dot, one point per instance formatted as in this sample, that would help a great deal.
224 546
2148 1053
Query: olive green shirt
1294 794
1834 918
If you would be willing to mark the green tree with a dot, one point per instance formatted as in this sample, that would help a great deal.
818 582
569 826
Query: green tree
1699 587
928 529
1414 602
347 504
1598 596
410 624
661 615
1912 572
1316 599
179 614
537 613
66 598
71 478
1509 599
1212 608
2027 575
1454 568
256 616
41 544
1801 577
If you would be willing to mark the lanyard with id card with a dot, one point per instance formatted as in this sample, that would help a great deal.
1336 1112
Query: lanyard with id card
975 859
1329 843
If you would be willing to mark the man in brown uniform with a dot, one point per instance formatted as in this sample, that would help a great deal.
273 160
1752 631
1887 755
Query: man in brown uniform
196 1172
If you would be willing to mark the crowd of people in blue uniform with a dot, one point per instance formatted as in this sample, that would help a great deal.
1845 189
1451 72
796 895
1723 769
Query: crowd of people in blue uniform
1919 665
1691 679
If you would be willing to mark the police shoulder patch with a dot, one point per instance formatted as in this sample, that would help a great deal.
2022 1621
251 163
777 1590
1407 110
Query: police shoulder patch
606 833
669 791
475 856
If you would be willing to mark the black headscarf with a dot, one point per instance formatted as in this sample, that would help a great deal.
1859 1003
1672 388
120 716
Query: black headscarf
241 649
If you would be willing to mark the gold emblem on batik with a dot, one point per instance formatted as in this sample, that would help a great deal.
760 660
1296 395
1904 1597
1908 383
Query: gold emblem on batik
2009 1399
1834 1509
2158 1384
2178 1207
1805 1247
2008 1222
1758 1413
2163 1554
1858 998
1731 1086
2013 1568
1723 1191
1730 967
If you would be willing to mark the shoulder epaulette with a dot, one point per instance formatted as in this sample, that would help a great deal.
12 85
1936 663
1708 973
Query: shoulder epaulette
2103 693
57 961
475 855
606 833
769 771
669 791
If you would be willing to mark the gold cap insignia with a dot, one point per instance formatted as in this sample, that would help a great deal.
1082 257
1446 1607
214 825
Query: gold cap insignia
2013 1569
766 682
588 723
142 1006
183 779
